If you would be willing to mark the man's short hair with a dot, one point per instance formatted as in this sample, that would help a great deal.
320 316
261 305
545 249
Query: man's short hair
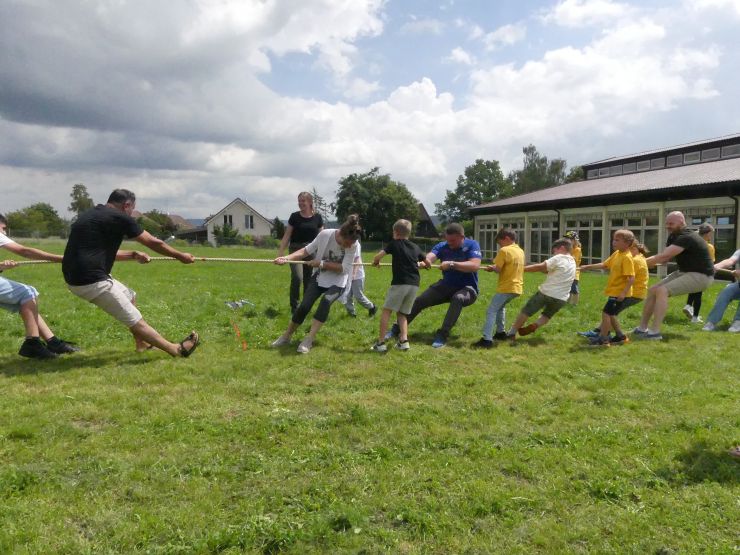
455 229
402 227
626 235
3 220
505 232
121 196
565 243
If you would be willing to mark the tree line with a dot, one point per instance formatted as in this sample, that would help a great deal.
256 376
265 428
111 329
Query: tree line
378 198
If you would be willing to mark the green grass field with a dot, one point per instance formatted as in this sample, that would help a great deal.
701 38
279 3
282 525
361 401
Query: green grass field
542 447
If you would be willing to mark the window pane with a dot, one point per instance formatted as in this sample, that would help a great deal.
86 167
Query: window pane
596 245
570 223
651 240
634 222
596 223
545 242
584 235
724 243
652 220
616 223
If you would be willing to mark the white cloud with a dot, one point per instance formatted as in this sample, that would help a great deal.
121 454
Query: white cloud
423 26
360 89
505 36
732 6
460 56
583 13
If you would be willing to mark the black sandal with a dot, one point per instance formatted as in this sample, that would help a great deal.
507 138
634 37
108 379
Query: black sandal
195 339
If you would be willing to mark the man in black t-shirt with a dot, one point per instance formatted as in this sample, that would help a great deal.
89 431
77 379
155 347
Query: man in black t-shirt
695 273
93 247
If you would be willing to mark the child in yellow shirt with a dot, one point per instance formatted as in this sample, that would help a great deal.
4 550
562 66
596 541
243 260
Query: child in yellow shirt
618 287
693 302
639 288
577 254
509 265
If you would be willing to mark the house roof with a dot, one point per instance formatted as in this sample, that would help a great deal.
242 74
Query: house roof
180 222
236 201
682 178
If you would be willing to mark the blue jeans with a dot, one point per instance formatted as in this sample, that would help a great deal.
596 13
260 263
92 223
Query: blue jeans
497 312
726 296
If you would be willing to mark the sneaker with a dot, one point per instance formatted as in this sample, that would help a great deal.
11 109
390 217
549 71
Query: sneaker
500 336
60 346
484 343
439 341
734 327
526 330
619 340
688 310
639 332
654 336
372 310
379 347
590 334
280 341
696 320
33 348
305 346
708 327
393 332
599 342
403 345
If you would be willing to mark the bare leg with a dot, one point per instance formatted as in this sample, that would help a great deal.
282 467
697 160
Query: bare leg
606 324
141 345
519 322
661 307
29 313
144 333
385 317
403 327
542 320
315 327
615 326
44 330
647 309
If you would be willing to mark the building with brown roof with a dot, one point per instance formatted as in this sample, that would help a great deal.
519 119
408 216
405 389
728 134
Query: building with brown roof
701 179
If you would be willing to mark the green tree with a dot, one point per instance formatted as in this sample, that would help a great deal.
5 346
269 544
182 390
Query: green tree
481 182
575 174
378 200
164 226
321 206
81 199
537 172
37 220
226 235
278 228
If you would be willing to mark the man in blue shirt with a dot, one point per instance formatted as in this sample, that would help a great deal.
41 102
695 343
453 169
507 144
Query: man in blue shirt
459 261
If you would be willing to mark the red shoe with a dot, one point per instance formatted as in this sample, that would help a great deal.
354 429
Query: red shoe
526 330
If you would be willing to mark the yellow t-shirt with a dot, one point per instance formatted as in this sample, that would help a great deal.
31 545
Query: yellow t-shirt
640 287
577 254
510 260
711 251
621 267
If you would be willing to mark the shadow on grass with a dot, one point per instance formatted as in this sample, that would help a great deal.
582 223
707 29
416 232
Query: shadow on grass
702 463
18 366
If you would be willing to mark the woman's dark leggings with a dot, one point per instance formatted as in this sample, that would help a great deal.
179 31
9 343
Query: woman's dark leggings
694 300
310 295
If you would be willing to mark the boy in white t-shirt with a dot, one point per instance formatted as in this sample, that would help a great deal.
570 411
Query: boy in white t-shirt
552 294
21 298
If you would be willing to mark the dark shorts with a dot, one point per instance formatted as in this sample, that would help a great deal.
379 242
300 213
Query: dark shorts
614 307
574 290
549 305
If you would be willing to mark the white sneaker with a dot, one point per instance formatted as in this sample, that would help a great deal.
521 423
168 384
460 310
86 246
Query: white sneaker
403 345
688 310
280 341
696 320
305 346
379 347
735 327
708 327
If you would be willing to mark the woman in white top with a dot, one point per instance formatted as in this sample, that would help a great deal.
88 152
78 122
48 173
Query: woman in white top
334 253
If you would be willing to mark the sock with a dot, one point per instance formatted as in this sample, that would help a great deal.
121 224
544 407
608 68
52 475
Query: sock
53 340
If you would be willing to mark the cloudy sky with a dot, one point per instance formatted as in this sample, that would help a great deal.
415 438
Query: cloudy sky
191 103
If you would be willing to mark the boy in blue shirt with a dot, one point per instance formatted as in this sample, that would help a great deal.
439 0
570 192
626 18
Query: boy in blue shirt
460 260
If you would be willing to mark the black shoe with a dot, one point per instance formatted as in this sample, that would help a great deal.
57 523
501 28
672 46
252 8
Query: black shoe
60 346
33 348
372 310
500 336
483 343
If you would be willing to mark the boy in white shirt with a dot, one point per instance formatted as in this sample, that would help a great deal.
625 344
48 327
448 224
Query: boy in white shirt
553 293
356 288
